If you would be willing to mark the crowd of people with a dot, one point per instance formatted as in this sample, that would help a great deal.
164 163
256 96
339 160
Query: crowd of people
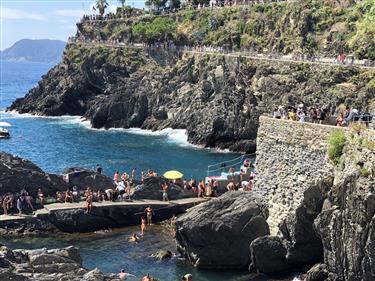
321 115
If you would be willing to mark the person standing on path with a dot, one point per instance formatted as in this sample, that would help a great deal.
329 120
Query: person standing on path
149 213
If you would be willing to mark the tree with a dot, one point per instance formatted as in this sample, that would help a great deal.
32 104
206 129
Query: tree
101 5
122 2
156 4
174 4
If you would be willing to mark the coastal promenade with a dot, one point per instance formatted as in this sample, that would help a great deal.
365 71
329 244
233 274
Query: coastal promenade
71 217
366 64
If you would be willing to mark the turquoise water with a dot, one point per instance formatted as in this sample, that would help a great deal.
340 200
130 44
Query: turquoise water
111 252
57 143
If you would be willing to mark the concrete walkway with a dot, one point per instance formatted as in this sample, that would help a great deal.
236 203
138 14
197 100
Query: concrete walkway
237 54
81 205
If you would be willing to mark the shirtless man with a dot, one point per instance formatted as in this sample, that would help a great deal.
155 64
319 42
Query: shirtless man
68 196
149 212
6 204
40 196
88 195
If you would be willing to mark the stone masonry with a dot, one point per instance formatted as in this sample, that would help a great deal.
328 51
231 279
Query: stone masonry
291 156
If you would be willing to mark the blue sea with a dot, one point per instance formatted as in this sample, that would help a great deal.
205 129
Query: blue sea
58 143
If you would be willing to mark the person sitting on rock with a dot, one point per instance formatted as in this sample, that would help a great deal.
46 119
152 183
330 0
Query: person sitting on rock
116 177
231 186
101 195
201 189
99 169
165 192
59 197
68 196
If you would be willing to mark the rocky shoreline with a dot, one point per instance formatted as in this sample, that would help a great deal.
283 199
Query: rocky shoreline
47 265
218 99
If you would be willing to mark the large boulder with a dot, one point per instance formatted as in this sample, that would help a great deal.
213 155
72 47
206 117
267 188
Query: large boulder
17 173
82 177
217 234
43 265
268 254
152 189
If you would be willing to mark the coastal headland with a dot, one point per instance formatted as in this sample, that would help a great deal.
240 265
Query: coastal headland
312 206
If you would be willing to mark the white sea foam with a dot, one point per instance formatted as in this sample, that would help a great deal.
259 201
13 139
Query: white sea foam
177 136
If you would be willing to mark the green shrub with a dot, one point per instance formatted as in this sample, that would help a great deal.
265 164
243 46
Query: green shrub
364 172
336 144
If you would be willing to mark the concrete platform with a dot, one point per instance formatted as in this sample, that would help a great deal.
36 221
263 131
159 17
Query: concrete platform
71 217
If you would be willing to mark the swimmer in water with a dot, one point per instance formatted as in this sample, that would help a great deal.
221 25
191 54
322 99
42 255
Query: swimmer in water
122 275
143 225
134 238
147 278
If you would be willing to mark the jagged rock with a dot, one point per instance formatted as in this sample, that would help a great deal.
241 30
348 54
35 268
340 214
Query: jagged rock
268 254
46 265
162 255
17 173
347 229
152 189
82 177
216 234
317 273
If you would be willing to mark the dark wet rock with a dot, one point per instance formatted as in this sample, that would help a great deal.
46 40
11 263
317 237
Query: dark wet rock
162 255
82 177
268 254
217 234
17 173
317 273
152 189
46 265
347 226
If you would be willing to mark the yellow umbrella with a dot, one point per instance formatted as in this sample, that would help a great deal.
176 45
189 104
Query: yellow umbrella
173 175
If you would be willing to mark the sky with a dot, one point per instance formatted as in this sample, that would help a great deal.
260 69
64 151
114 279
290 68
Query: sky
45 19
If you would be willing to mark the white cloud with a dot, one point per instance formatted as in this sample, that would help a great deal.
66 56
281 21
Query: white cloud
14 14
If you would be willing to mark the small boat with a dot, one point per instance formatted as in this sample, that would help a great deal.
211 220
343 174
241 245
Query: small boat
4 133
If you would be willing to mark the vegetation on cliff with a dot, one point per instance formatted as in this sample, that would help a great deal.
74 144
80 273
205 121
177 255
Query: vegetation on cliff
295 27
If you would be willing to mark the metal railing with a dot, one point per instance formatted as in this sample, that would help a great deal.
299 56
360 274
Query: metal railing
235 163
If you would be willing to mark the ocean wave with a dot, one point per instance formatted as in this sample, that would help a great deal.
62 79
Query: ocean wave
177 136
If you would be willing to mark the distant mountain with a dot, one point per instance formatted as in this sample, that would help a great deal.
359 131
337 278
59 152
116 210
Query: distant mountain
42 50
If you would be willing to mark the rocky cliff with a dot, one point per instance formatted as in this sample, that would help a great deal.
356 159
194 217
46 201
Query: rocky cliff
317 186
320 190
217 99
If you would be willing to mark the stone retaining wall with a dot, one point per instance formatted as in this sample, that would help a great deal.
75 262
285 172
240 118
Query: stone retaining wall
290 158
